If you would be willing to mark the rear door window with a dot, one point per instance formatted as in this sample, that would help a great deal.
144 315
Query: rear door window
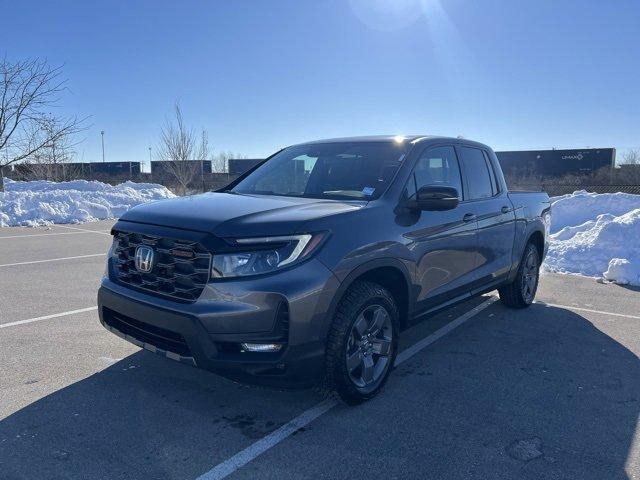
477 173
492 173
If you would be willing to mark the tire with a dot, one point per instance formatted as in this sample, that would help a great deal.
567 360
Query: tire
522 291
362 343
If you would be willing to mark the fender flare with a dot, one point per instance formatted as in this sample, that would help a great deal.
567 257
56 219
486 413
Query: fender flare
532 227
361 270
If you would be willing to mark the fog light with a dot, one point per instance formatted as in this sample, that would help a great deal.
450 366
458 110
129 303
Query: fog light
261 347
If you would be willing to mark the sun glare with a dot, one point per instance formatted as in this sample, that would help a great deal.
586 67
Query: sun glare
387 15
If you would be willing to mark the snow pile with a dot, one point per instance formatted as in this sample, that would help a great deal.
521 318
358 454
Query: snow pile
42 202
597 235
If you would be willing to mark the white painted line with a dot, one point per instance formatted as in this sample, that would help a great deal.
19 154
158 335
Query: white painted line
580 309
100 232
407 353
47 317
43 235
53 260
247 455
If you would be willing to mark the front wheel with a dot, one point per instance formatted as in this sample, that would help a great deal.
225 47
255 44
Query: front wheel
521 292
362 343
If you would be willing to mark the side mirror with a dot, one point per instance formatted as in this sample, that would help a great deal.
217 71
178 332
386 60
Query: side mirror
436 198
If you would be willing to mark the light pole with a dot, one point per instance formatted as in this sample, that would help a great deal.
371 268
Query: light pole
102 133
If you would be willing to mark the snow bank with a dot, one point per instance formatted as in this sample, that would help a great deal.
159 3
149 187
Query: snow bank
597 235
41 202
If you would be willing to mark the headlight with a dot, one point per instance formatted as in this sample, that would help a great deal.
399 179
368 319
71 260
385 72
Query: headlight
264 255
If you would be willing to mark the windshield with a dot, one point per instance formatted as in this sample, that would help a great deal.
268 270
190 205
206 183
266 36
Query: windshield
345 170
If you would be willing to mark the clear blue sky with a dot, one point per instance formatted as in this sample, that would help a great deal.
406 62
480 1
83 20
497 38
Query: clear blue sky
262 74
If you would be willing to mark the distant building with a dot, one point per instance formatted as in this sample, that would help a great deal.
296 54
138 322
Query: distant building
555 163
74 170
109 168
159 168
237 166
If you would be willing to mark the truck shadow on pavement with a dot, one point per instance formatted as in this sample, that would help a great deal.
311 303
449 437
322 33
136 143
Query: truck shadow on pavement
539 393
632 288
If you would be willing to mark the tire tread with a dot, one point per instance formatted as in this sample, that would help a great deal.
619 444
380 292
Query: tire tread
336 381
511 293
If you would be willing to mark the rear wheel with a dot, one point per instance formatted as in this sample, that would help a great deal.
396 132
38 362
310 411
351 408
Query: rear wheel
362 343
522 291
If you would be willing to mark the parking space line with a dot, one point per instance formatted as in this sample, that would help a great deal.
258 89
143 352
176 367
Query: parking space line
47 317
581 309
44 235
407 353
53 260
99 232
247 455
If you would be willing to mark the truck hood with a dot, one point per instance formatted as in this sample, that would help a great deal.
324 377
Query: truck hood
235 215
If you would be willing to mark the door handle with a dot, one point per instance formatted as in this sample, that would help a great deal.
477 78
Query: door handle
469 217
505 209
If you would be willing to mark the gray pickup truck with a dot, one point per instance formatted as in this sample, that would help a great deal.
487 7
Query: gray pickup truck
306 269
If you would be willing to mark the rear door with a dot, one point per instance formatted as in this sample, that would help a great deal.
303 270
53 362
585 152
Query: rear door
494 213
444 242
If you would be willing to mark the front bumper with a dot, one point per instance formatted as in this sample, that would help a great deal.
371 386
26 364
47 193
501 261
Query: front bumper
289 307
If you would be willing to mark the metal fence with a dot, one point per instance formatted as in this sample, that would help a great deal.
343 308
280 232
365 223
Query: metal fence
555 190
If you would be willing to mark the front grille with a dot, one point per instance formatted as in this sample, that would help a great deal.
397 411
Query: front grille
145 333
180 272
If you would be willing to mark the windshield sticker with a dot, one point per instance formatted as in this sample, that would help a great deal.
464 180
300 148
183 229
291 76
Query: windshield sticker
368 191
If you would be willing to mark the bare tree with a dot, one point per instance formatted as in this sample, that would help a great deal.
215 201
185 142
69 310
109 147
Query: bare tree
179 146
28 90
203 154
50 162
631 157
220 162
628 172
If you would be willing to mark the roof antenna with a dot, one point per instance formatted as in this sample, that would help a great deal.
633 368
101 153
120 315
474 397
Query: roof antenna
460 136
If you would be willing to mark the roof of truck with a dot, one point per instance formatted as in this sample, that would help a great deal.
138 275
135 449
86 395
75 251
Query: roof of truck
370 138
398 138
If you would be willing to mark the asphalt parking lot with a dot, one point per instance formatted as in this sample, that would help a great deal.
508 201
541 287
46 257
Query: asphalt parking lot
549 392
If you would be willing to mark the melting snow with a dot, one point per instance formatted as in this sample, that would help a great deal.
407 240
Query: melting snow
42 202
597 235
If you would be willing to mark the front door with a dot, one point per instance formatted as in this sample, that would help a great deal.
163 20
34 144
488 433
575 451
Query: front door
444 243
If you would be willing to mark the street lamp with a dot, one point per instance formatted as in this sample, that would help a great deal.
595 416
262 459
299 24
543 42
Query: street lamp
102 133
